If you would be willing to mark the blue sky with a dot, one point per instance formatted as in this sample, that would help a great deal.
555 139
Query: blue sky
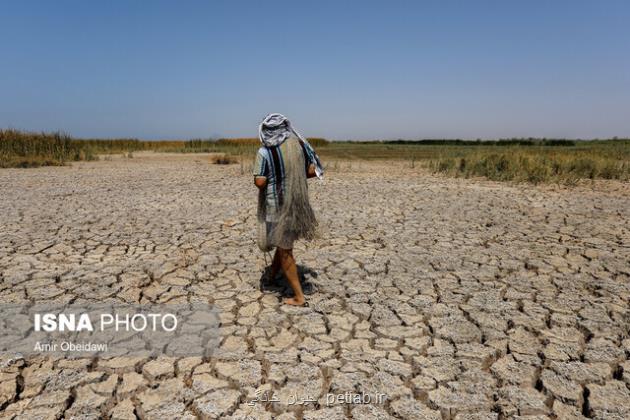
338 69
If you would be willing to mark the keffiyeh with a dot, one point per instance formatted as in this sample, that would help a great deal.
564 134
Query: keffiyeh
276 128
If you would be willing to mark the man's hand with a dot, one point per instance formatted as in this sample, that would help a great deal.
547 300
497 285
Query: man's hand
260 181
311 171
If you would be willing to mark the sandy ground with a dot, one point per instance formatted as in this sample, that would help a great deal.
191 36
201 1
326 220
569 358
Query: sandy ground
461 299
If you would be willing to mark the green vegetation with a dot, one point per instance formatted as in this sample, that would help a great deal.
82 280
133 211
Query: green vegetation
534 167
243 148
608 159
530 160
18 149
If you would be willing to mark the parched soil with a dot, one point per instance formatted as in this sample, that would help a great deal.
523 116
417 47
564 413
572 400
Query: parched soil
453 298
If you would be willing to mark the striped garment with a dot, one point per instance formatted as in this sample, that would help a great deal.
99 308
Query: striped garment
270 164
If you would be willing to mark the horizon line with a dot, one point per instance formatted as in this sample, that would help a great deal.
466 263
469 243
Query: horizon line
416 139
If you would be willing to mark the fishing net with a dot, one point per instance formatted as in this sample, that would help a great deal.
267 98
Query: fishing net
296 219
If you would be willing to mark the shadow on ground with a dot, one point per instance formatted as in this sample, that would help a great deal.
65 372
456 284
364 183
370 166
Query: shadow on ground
280 284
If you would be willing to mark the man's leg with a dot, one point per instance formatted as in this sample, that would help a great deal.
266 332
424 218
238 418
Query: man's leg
287 263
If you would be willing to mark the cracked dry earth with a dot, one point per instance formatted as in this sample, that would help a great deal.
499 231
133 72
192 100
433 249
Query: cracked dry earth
457 299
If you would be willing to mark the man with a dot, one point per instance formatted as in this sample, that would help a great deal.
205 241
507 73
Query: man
283 164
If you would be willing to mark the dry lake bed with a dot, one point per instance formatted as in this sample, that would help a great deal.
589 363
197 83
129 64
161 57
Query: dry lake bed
437 298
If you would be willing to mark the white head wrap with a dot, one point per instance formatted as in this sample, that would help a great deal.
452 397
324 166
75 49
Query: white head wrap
276 128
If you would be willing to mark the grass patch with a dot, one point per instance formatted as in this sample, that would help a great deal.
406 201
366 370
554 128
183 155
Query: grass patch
595 161
23 150
529 160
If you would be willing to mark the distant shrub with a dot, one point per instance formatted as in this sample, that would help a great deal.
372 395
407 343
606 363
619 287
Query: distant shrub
479 142
446 165
534 166
223 160
24 149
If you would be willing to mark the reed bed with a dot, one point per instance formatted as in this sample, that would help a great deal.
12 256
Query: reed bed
585 160
20 149
529 160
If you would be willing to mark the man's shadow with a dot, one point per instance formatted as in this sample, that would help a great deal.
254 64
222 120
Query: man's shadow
281 285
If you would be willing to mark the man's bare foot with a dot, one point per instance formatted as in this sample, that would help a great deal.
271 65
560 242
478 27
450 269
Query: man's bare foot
296 302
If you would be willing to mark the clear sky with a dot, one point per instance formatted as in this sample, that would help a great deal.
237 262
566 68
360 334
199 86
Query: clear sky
338 69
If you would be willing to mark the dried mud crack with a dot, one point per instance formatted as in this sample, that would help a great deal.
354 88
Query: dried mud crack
455 299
